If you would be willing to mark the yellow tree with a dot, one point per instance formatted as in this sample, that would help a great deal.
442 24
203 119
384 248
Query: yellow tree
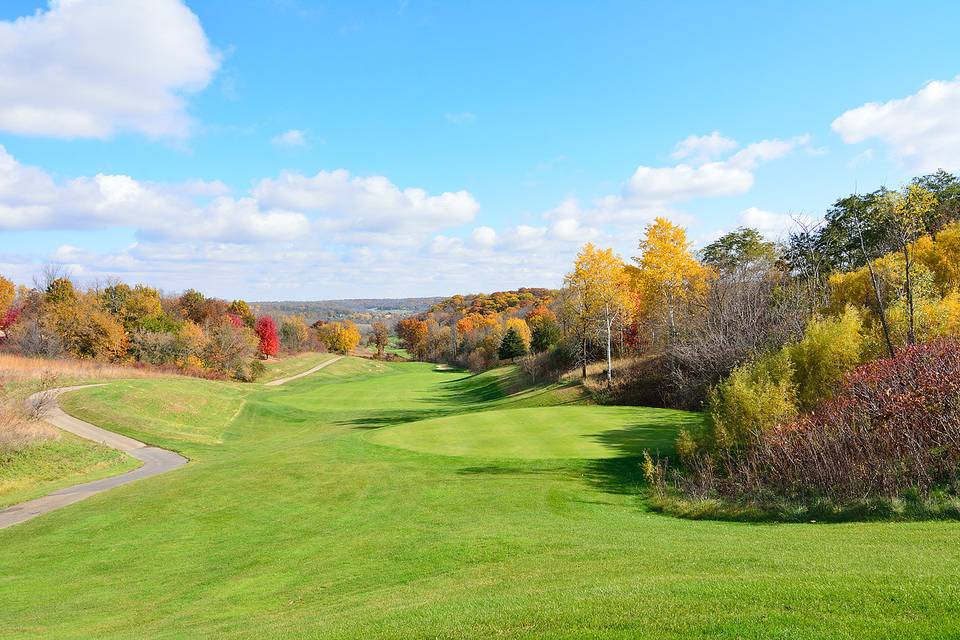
598 291
667 273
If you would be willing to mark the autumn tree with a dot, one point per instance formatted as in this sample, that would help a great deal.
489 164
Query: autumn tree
905 213
598 283
339 337
242 310
667 274
7 294
293 333
379 338
266 330
413 334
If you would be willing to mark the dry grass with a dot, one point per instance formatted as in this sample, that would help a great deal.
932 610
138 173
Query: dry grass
18 369
21 426
18 428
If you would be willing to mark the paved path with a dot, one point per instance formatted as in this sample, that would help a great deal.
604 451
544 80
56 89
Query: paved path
155 460
279 381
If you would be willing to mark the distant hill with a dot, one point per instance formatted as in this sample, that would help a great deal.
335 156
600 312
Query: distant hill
362 311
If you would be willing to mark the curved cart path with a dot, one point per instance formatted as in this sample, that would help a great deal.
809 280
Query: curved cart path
155 460
279 381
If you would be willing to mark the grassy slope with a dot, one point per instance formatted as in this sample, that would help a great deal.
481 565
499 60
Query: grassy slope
44 467
292 365
47 465
289 522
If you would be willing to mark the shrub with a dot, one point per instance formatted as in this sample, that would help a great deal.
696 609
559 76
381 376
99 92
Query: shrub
829 348
754 398
892 429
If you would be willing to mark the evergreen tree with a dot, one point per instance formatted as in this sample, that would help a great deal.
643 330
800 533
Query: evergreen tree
512 345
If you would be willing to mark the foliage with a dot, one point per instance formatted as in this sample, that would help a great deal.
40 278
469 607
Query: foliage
738 249
828 349
293 334
754 398
893 428
413 335
512 346
7 294
339 337
266 330
667 274
379 337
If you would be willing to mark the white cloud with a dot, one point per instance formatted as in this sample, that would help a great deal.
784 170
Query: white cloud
87 69
774 226
366 203
342 208
698 149
484 237
291 138
922 130
656 186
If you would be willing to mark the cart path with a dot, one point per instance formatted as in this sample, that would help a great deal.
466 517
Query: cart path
279 381
155 460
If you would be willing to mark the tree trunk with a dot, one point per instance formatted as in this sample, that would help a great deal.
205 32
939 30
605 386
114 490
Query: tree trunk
609 348
876 292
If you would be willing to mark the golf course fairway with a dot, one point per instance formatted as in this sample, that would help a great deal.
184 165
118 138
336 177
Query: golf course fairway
391 500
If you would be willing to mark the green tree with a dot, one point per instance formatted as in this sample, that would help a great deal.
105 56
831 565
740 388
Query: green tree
739 248
512 346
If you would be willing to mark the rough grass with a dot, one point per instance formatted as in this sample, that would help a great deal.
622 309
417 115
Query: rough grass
295 525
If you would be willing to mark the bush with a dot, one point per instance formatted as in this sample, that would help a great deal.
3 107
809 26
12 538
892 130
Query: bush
892 431
753 399
829 348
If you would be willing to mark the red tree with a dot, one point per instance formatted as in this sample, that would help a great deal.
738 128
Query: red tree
266 330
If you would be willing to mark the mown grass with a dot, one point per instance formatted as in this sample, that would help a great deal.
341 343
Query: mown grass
291 523
292 365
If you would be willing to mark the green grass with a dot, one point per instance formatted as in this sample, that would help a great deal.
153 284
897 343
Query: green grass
43 467
290 522
292 365
546 432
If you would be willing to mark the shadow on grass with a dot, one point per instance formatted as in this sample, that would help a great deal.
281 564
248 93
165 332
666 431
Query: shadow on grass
390 418
505 470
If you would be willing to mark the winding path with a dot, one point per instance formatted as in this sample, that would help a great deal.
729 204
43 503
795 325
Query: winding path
279 381
155 460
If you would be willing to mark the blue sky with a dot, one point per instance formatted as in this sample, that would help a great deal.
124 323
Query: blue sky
290 149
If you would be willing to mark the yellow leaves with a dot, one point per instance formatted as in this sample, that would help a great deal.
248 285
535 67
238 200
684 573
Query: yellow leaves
941 254
522 329
666 266
7 293
599 279
339 337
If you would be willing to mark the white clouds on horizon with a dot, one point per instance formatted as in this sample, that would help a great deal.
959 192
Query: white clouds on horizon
921 130
92 69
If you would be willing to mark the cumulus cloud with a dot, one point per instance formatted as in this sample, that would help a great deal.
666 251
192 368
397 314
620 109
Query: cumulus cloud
366 203
343 208
484 237
291 138
699 149
88 69
921 130
772 225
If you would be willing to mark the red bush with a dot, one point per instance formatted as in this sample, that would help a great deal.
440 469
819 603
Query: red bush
894 426
266 330
10 317
235 320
